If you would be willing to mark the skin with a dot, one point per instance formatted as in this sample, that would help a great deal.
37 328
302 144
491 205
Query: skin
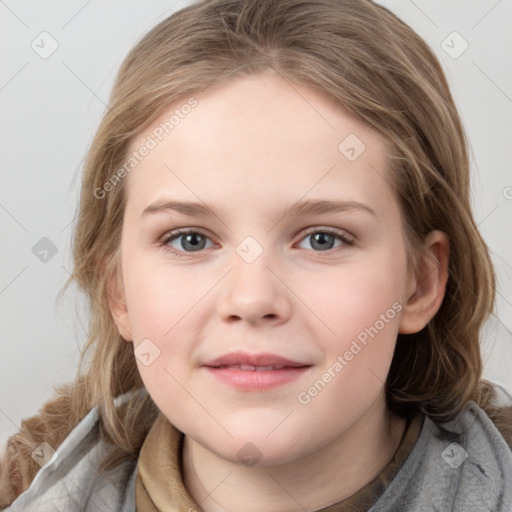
251 147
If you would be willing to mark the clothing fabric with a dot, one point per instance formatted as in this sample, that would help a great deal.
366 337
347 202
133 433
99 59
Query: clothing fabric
160 459
459 466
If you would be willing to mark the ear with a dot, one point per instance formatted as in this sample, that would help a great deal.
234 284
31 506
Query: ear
428 284
117 305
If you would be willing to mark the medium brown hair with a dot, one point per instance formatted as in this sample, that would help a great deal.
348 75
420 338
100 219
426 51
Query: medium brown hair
366 60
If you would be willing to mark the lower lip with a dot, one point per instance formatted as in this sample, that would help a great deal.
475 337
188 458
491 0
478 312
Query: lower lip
252 380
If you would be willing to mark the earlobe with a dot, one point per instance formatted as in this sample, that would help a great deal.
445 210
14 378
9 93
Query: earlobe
117 306
429 284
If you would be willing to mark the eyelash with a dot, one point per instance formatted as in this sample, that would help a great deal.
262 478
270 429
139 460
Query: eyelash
172 235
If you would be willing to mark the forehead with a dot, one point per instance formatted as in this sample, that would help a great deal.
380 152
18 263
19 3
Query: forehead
259 140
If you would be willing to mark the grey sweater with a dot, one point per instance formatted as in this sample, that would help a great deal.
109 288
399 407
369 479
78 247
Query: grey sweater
461 466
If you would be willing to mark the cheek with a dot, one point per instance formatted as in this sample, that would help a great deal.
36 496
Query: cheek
158 298
361 309
163 310
354 299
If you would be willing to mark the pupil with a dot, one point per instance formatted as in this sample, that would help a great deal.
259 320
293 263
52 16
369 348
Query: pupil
321 239
192 239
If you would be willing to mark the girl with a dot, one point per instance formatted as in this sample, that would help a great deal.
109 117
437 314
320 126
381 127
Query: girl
286 281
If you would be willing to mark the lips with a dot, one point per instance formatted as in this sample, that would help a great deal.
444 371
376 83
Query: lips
255 372
250 367
246 361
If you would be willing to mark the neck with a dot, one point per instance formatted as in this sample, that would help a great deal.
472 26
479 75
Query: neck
350 461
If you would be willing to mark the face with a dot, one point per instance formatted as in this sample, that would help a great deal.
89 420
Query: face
256 320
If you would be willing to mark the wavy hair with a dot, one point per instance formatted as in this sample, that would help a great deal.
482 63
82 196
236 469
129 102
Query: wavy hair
362 57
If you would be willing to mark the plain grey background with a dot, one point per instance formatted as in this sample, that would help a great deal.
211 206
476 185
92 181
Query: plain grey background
57 65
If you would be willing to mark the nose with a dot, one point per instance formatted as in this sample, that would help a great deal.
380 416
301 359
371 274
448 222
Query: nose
255 292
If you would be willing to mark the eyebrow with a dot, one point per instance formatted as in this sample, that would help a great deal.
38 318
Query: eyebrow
300 208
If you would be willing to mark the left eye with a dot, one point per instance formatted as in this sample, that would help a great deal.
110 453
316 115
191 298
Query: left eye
195 241
323 240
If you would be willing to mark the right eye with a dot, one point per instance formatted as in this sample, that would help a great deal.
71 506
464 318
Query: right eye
189 240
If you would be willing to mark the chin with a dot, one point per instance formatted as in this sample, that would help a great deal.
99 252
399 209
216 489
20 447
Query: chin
253 447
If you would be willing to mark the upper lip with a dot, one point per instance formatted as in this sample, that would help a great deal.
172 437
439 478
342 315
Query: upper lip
244 358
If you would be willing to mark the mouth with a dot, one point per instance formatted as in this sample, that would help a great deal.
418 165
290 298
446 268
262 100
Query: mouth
255 372
250 367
